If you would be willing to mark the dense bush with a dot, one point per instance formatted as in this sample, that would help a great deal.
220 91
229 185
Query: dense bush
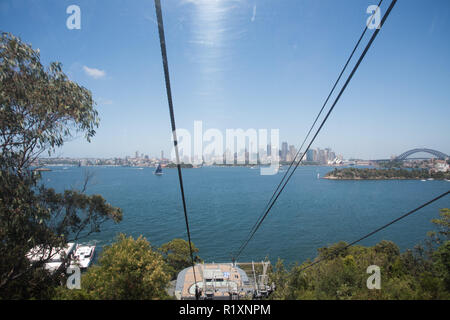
128 269
422 273
366 173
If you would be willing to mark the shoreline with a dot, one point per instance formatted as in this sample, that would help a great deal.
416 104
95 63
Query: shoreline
382 178
386 174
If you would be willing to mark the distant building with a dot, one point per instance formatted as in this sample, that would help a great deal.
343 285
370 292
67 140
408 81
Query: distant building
441 166
327 153
322 156
284 151
331 155
312 155
292 152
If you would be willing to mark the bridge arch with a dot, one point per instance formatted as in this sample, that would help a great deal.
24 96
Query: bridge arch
436 153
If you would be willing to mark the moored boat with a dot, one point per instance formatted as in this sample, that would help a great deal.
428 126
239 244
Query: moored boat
54 257
83 256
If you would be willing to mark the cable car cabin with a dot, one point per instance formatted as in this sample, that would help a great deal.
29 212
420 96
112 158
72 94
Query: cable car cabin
216 281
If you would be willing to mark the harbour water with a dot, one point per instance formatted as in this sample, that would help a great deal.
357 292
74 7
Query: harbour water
224 203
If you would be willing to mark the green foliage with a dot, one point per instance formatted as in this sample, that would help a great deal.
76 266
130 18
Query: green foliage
38 107
128 269
21 227
442 263
279 276
391 164
177 255
414 274
443 225
39 110
386 174
33 216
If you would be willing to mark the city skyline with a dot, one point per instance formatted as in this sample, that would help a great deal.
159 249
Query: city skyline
283 156
286 153
247 64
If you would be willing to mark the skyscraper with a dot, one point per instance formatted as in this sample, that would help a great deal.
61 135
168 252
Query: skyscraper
331 156
284 151
292 152
310 155
321 155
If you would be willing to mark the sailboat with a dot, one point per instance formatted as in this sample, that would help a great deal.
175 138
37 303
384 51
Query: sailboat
158 171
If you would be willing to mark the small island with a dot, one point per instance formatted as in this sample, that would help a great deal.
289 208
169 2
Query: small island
385 174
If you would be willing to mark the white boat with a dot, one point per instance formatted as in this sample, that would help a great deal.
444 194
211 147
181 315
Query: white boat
430 179
83 256
54 255
423 180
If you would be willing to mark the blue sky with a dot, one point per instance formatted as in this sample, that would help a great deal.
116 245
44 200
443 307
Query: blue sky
249 64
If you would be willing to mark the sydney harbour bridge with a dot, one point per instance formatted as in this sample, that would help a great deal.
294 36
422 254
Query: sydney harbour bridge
437 154
404 155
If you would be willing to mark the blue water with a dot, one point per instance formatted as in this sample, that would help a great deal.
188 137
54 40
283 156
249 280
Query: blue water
224 203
